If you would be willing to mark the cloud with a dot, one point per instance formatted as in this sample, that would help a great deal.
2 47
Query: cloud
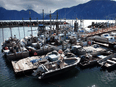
2 4
38 5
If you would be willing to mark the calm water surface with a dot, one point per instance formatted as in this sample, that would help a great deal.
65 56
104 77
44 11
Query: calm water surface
90 77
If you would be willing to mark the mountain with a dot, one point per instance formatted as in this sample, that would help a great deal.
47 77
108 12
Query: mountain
18 15
94 9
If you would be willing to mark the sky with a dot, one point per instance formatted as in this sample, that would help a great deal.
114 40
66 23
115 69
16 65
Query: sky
38 5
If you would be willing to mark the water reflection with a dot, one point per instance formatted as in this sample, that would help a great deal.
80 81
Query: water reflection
108 77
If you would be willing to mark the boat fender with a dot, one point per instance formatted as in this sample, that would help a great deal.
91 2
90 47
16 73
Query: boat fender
29 50
89 42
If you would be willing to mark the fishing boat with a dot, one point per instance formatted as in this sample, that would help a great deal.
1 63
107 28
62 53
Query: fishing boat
28 64
88 60
53 56
8 43
68 54
78 50
91 56
108 62
36 46
13 50
57 67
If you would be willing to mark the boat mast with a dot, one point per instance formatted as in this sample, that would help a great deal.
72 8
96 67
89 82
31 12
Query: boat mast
50 24
60 23
72 22
2 33
57 26
23 27
50 20
18 30
30 23
37 22
43 15
43 19
19 38
11 30
115 21
43 26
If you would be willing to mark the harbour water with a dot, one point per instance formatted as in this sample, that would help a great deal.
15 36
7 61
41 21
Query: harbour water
90 77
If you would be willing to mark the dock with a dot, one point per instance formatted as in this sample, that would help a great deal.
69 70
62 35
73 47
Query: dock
101 31
27 64
27 23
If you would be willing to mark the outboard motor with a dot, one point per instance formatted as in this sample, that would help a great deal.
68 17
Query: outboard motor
39 70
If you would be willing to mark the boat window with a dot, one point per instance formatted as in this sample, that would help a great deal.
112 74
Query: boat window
54 53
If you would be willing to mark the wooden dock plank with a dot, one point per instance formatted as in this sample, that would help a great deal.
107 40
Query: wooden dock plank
24 64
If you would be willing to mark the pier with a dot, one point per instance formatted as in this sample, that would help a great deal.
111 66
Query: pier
28 23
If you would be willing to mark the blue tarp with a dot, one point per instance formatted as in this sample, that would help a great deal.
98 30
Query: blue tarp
106 35
35 60
82 31
41 25
66 37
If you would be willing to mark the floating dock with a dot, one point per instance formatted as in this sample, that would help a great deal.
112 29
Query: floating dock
27 64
